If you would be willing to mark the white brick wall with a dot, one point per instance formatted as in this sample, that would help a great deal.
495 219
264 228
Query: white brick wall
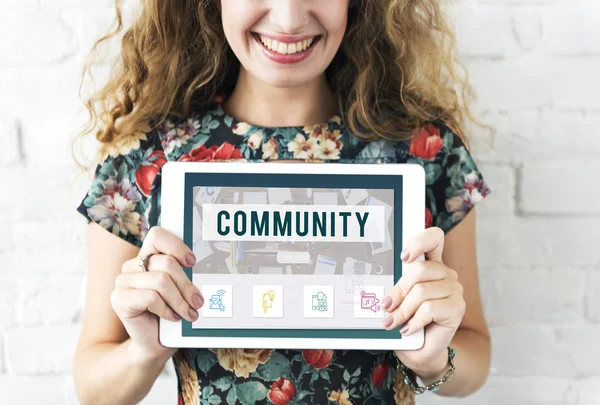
535 66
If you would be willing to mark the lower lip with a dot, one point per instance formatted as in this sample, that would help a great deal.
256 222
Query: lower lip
284 59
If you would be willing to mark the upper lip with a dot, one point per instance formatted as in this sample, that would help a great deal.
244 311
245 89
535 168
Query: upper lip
287 39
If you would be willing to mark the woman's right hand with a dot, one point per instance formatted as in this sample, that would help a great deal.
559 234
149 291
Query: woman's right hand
164 290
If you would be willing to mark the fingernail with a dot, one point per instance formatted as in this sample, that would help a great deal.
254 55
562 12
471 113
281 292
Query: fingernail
386 302
388 321
176 316
404 255
197 300
404 329
193 314
191 259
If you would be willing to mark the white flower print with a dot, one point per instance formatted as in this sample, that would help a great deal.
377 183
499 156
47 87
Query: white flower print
126 144
329 150
255 140
241 128
115 209
459 205
175 136
305 149
269 150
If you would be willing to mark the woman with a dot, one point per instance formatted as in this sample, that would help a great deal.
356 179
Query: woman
279 80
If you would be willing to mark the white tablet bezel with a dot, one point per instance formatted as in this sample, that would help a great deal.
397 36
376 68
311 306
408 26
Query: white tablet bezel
172 219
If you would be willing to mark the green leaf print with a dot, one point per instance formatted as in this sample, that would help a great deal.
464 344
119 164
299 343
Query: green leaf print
207 391
277 366
432 173
448 140
205 360
250 392
346 376
300 395
324 375
223 383
214 399
231 396
457 179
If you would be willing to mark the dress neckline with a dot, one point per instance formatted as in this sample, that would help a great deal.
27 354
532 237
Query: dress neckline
334 121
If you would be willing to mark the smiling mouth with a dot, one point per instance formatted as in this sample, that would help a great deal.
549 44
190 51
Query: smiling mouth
283 48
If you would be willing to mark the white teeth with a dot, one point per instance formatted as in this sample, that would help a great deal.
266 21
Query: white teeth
283 48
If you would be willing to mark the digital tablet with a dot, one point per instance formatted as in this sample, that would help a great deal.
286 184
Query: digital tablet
292 255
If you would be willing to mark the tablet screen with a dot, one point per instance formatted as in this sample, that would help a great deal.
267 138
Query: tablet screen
292 254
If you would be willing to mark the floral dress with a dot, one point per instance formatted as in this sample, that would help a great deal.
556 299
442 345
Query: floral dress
124 198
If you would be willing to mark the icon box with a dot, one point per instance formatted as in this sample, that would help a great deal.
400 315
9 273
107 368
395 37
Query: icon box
267 301
367 303
318 301
218 301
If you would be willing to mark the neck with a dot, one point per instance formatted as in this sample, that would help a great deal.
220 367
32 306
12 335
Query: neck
258 103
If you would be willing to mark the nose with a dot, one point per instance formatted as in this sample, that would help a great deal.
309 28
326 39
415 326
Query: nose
289 16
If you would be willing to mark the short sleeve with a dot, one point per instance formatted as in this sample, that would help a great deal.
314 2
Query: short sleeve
124 197
454 183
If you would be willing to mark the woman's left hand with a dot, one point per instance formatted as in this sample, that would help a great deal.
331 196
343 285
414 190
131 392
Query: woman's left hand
428 295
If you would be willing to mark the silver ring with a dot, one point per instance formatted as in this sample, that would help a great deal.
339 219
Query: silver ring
143 263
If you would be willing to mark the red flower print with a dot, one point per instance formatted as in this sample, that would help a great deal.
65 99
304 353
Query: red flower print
214 152
199 154
379 374
227 151
318 358
282 391
428 218
179 399
145 175
426 143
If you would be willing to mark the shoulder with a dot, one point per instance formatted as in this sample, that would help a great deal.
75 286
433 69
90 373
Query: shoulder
454 183
185 138
122 197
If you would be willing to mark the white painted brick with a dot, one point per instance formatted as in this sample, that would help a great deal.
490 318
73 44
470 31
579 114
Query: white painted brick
531 135
48 39
470 20
593 296
575 82
521 82
9 139
48 89
31 390
49 247
539 242
582 342
530 350
37 196
163 392
527 26
501 180
510 390
46 299
513 296
41 350
572 28
585 392
76 3
8 298
560 187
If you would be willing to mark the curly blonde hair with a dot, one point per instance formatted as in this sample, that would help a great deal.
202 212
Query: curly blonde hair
396 69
